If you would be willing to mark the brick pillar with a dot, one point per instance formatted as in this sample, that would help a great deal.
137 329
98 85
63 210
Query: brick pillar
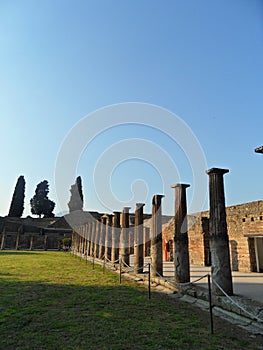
108 236
124 237
116 231
156 236
181 252
219 242
138 238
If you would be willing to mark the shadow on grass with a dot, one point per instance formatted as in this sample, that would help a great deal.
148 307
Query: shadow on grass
18 252
55 316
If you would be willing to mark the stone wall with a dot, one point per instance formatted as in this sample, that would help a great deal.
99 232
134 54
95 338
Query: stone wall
30 234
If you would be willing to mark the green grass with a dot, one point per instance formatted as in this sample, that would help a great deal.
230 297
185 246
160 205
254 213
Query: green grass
51 300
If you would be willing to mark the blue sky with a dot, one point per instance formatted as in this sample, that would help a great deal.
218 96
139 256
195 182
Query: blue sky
62 60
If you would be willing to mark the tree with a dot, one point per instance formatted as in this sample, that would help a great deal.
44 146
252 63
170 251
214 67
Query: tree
17 203
76 198
40 204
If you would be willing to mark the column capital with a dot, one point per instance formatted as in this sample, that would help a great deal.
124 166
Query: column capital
180 185
139 205
157 197
218 171
126 209
259 149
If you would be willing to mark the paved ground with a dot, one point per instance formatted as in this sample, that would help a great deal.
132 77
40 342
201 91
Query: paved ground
249 284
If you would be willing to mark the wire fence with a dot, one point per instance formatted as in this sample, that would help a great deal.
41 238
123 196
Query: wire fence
123 267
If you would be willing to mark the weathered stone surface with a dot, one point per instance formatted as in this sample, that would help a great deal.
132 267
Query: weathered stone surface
102 237
97 239
219 243
124 237
181 254
116 231
156 236
138 238
108 237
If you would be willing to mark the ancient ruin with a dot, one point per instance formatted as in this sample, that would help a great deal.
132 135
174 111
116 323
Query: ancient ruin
138 238
181 252
218 236
156 236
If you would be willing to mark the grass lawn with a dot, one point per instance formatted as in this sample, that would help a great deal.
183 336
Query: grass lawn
52 300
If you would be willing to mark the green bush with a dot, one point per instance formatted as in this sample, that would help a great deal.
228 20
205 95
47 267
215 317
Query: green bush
66 243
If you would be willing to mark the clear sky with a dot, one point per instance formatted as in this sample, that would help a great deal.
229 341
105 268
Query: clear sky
62 60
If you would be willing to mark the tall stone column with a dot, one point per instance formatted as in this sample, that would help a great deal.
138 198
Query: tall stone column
46 242
219 241
97 239
31 242
82 239
147 241
131 240
102 236
17 240
88 236
108 237
156 236
181 252
124 238
138 238
116 231
3 239
91 237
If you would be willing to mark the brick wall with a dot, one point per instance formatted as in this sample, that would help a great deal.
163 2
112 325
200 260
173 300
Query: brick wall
244 221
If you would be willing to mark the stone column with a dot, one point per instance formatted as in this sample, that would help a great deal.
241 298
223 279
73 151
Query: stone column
102 236
81 239
156 236
31 242
116 231
46 242
90 233
108 236
93 237
181 253
124 237
138 238
97 239
219 242
3 239
131 240
147 241
17 241
89 238
76 241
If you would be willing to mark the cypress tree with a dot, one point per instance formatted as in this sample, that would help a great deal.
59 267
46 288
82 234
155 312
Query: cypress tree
40 204
17 203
